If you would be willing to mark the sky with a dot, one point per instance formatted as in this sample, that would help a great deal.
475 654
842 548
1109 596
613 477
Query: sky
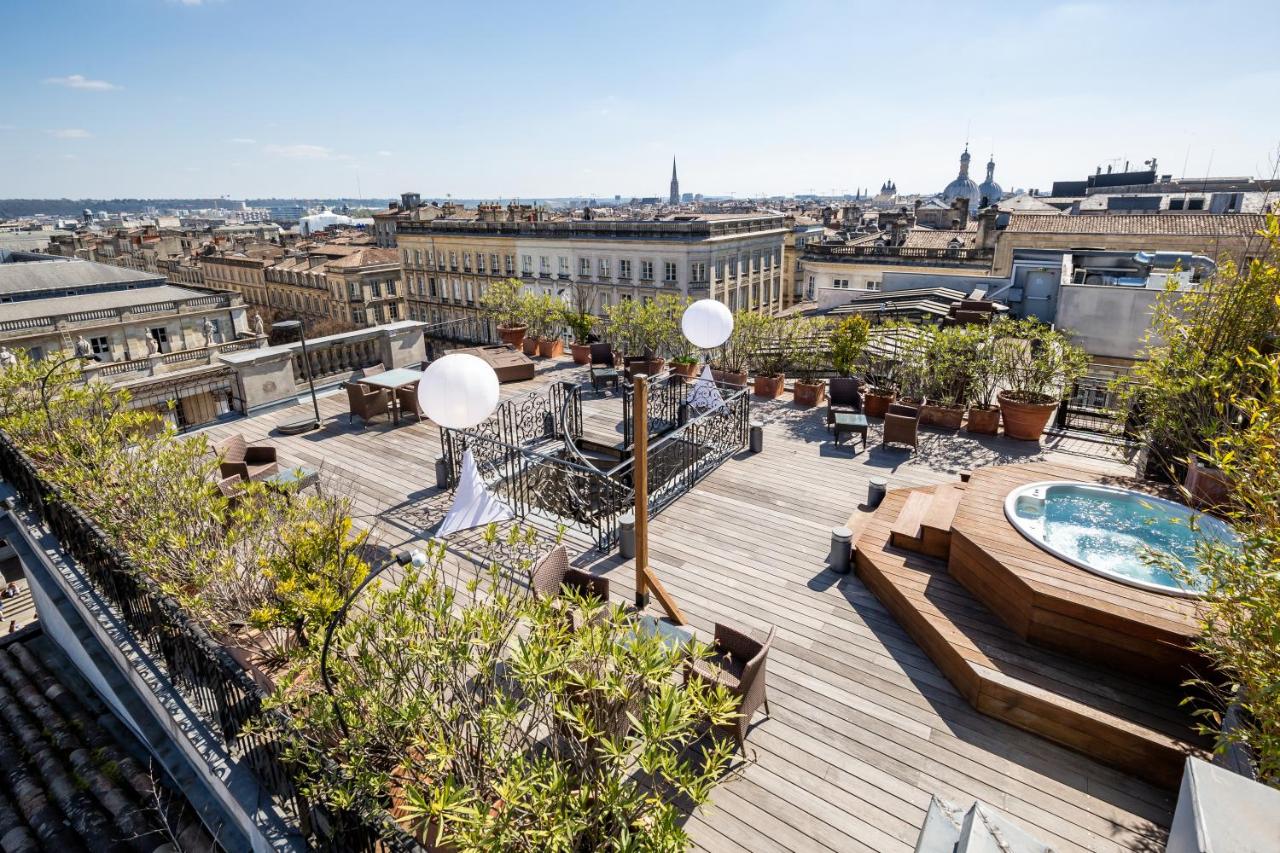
259 98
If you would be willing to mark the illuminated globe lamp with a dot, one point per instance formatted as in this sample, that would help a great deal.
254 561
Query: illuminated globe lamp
458 391
707 323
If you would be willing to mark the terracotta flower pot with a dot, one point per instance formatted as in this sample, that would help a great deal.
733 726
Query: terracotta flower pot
550 347
1026 419
684 370
876 402
985 421
770 387
1207 487
581 353
530 346
729 377
947 417
512 336
810 393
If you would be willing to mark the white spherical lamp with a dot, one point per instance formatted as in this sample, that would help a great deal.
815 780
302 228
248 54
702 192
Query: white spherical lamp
707 323
458 391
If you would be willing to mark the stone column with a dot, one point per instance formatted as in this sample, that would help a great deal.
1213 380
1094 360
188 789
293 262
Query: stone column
264 376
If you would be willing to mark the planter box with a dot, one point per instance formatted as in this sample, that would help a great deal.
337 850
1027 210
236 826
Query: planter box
983 421
875 403
770 387
530 346
810 394
684 371
941 416
581 353
1207 487
550 347
725 377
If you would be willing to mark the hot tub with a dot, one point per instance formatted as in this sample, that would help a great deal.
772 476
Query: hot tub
1108 530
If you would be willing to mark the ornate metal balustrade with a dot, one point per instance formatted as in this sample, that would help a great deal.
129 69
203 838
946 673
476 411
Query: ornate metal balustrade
678 460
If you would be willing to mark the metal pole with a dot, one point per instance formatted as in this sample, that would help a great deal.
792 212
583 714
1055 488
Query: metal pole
640 475
306 362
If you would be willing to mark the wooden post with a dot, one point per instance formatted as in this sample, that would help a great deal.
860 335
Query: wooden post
645 578
640 477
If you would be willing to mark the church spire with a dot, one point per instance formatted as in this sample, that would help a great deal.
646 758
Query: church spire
675 184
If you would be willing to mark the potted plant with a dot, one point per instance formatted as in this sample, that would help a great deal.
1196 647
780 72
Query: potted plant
945 375
911 354
812 353
848 343
504 302
545 312
981 380
580 322
770 360
1035 363
730 360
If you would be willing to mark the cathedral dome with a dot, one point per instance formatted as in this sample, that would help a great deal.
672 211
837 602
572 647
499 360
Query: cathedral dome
963 186
989 191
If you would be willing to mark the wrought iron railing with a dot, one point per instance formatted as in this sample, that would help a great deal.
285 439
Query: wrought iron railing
667 394
678 460
199 669
1091 406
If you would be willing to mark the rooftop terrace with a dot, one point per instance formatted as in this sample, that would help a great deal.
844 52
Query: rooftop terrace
864 728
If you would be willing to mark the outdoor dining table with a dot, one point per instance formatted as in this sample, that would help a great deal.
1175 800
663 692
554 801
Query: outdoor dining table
394 380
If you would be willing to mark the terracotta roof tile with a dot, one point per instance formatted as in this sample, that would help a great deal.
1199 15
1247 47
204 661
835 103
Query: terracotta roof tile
1189 224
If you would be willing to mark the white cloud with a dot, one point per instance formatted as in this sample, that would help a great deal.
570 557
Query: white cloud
384 153
71 133
300 151
79 81
243 140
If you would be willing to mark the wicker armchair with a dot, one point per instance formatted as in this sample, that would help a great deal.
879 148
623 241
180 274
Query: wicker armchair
604 366
739 666
366 403
408 400
902 425
552 573
844 396
374 369
236 458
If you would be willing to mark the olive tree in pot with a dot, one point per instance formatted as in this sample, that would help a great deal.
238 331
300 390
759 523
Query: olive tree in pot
812 344
982 378
504 302
731 359
911 352
580 322
945 375
544 324
1035 362
849 340
770 361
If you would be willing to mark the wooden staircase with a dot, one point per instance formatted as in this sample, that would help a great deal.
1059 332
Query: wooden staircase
1129 723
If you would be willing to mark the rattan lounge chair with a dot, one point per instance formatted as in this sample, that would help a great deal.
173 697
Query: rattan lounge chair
902 425
367 403
246 461
604 366
738 665
844 396
552 573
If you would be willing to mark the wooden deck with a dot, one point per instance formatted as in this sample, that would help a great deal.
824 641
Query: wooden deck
865 728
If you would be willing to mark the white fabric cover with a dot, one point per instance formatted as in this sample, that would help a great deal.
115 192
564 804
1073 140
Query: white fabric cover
473 504
705 395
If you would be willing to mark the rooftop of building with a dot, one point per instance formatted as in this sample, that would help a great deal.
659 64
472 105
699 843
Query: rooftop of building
34 274
109 300
1190 224
864 729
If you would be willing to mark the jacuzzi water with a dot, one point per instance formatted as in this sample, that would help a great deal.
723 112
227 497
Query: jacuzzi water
1108 531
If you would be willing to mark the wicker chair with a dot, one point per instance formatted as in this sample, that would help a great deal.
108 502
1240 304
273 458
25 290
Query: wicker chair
365 403
408 399
552 573
844 396
902 425
374 369
604 366
246 461
739 665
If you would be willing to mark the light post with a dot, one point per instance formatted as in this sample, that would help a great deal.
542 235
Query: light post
305 424
44 383
418 559
706 323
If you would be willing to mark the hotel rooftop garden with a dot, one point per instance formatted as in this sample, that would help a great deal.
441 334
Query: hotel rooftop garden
822 625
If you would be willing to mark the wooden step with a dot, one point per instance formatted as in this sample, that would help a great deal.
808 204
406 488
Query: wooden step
935 536
1131 723
907 529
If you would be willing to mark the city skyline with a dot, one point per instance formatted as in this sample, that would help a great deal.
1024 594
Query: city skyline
183 99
